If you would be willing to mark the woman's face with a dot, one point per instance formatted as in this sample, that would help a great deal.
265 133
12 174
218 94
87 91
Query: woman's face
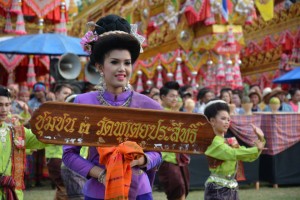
157 98
296 97
5 105
208 96
254 99
236 100
171 99
226 97
221 122
153 91
117 69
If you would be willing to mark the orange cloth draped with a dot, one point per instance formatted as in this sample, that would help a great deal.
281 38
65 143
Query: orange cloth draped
117 161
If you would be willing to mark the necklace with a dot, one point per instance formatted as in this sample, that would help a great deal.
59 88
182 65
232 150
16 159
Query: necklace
102 101
3 133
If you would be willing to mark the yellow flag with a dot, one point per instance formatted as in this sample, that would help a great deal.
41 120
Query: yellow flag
266 8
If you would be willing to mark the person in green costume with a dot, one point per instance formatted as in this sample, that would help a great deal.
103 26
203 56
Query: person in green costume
223 156
14 139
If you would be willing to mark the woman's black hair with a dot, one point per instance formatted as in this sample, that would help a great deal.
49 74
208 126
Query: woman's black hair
293 91
238 92
112 23
171 85
202 92
113 41
211 110
155 94
4 92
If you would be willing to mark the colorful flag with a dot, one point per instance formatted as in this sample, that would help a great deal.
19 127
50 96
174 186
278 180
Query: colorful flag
226 9
266 9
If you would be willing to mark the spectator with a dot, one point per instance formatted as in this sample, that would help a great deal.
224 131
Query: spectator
54 152
173 173
39 91
186 89
237 101
266 92
14 140
73 181
281 94
203 96
255 98
152 91
19 108
295 99
156 97
226 90
226 96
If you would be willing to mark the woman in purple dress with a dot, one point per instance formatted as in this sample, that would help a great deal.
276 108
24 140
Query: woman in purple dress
114 49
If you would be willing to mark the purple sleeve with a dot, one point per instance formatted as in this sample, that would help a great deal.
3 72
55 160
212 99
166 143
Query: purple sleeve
154 159
72 159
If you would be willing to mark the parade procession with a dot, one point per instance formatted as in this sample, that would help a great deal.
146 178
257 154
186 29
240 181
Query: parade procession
149 99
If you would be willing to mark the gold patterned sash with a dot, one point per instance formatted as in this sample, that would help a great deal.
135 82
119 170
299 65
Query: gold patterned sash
18 157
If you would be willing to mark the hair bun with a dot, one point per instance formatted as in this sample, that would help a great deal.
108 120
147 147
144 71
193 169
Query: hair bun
112 23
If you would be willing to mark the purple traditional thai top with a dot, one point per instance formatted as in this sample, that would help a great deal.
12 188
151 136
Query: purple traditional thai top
141 181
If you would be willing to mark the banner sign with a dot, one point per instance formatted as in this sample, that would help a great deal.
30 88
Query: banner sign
92 125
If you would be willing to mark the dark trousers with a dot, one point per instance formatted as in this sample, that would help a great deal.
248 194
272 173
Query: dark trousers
216 192
73 183
39 160
54 168
174 179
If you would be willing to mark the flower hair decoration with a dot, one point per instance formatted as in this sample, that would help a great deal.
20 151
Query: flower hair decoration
139 37
91 36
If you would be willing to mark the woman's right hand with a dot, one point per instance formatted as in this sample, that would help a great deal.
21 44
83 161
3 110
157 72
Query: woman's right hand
96 172
260 145
258 132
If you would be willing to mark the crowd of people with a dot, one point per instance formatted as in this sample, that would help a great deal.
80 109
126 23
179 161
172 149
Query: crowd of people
238 100
94 173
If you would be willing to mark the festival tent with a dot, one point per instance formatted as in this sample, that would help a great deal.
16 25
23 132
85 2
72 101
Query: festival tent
42 44
292 76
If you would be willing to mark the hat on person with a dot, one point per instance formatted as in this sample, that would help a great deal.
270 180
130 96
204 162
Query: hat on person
275 92
187 94
266 92
39 87
255 91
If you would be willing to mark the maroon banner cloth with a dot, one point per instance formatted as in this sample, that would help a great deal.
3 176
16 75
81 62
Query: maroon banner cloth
241 128
282 130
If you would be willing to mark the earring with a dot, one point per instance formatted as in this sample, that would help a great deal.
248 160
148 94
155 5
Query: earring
102 85
127 86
